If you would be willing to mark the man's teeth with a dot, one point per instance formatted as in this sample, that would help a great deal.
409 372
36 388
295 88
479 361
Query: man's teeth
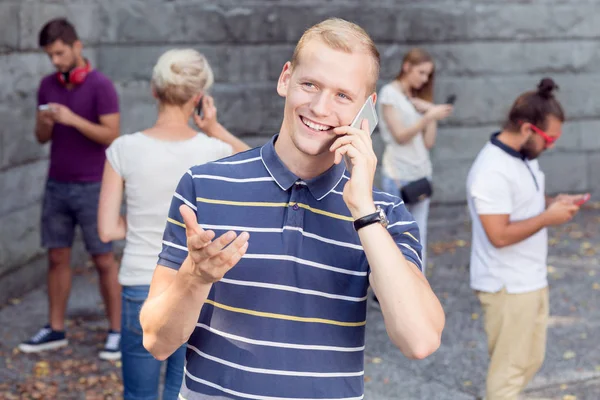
315 126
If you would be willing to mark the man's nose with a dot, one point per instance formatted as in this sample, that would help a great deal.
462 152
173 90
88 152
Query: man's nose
320 105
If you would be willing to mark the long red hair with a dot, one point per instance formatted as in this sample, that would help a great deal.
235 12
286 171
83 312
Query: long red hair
414 57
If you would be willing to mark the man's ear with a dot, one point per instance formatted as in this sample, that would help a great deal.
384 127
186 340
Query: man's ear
77 47
284 79
525 129
374 98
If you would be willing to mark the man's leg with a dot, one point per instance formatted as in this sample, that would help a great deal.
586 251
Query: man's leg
108 272
58 229
538 346
510 321
59 286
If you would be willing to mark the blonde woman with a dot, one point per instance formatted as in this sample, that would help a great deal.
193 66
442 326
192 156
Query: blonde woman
147 165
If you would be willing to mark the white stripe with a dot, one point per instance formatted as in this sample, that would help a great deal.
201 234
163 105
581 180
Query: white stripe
334 186
269 171
411 249
236 180
292 289
401 223
399 204
253 396
170 244
300 183
305 262
237 162
180 197
279 230
280 344
384 203
275 371
336 192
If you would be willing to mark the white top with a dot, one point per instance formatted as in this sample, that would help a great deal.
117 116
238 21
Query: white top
409 161
151 169
501 183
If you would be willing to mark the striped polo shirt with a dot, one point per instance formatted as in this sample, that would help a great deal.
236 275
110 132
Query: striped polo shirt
288 321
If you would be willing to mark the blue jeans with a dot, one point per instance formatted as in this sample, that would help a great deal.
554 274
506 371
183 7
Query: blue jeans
141 371
419 211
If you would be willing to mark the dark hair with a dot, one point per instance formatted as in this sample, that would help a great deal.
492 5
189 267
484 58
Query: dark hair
416 56
535 107
58 29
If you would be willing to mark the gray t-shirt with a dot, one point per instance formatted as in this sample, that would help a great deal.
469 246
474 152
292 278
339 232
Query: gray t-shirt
151 169
408 161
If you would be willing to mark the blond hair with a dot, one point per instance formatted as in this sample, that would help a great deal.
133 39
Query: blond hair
343 35
180 74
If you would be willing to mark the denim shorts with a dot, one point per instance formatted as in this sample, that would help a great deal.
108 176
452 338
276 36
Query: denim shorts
66 205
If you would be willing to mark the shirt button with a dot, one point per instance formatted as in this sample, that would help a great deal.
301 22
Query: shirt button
295 207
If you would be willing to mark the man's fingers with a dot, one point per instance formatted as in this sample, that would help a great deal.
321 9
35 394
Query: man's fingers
230 255
200 241
220 243
190 220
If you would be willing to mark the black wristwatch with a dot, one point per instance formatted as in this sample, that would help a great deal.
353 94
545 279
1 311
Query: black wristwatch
378 216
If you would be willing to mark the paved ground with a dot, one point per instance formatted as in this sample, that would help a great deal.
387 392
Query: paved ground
455 372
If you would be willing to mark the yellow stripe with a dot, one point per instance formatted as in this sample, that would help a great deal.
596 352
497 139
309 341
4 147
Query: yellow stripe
414 238
171 220
267 204
284 316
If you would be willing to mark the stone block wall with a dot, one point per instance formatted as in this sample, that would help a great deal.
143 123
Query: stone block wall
487 52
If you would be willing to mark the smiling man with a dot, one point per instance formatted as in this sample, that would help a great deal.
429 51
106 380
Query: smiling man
282 314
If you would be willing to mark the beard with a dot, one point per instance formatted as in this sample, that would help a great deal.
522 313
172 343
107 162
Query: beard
529 150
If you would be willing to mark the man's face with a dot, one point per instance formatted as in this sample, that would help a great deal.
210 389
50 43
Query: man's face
536 144
326 89
63 56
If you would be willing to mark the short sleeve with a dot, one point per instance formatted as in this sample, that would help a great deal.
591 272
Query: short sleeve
405 232
223 149
114 155
491 194
107 99
174 248
387 96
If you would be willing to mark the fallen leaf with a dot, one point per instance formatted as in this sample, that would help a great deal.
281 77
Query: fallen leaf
474 316
569 355
367 379
467 383
586 245
376 360
592 273
569 397
386 381
41 369
461 243
597 368
564 386
14 301
583 336
551 269
596 286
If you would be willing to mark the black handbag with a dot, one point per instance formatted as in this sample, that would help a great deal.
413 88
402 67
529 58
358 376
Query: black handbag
416 191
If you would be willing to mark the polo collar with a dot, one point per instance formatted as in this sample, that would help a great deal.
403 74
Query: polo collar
508 150
319 186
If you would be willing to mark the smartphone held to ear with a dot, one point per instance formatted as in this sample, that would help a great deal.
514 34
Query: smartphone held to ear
369 113
198 109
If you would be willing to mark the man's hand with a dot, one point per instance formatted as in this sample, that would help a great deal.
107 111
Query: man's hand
62 114
357 146
569 198
46 118
211 259
560 211
208 122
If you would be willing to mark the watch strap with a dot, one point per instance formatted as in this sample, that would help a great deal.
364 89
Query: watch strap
367 220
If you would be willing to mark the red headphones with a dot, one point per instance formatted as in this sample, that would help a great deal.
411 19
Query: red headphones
76 76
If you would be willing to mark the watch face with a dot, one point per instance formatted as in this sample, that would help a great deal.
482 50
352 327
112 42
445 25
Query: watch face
383 218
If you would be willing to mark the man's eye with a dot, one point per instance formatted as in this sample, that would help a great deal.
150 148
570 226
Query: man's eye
343 96
308 85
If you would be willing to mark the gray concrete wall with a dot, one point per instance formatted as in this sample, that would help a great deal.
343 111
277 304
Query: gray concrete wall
487 52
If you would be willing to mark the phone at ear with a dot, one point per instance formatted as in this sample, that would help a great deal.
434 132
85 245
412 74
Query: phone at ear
451 99
584 199
198 109
367 112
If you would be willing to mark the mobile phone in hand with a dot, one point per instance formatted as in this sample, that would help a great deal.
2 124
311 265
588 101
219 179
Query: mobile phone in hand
369 113
451 99
198 109
44 107
584 199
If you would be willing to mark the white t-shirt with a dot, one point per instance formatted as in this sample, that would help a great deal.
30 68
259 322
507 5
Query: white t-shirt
500 182
409 161
151 169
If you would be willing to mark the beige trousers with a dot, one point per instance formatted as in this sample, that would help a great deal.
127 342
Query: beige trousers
515 325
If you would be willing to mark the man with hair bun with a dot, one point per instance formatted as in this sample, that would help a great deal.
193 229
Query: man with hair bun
510 214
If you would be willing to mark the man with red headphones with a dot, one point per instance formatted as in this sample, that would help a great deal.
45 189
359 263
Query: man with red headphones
79 114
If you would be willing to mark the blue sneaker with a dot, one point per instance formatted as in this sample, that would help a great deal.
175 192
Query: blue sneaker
112 347
45 339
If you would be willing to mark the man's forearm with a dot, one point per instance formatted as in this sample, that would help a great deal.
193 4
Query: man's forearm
96 132
169 319
518 231
43 132
414 318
